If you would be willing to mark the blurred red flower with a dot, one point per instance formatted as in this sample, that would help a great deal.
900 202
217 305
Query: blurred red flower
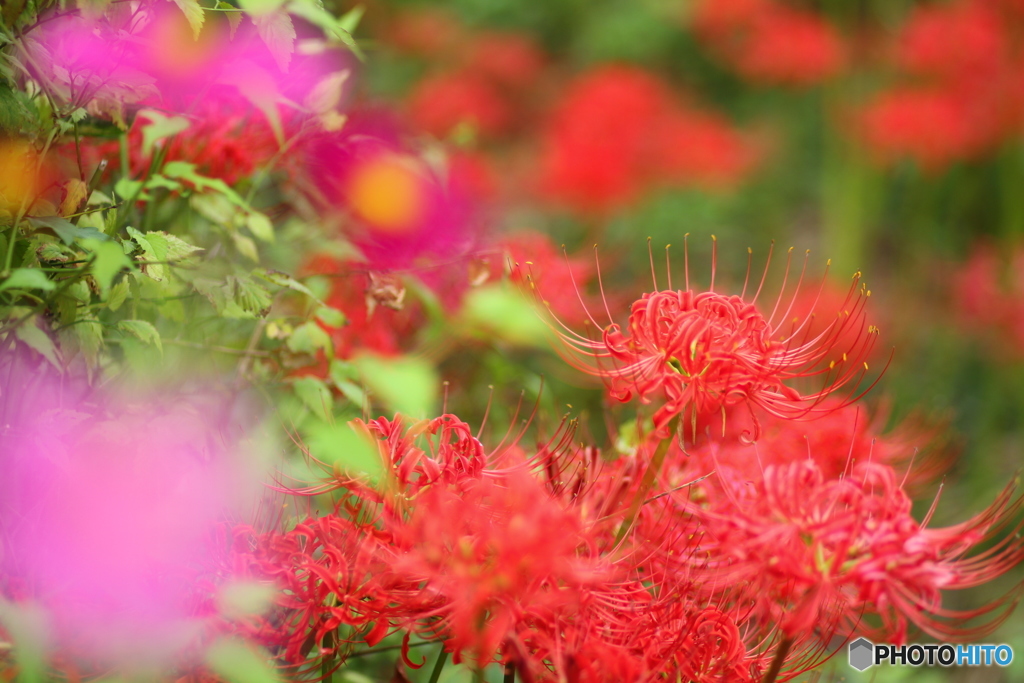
768 42
618 131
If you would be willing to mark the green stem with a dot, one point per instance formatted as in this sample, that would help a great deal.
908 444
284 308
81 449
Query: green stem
510 673
650 476
780 657
442 657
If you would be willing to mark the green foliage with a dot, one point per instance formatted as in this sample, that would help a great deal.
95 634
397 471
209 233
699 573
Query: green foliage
237 662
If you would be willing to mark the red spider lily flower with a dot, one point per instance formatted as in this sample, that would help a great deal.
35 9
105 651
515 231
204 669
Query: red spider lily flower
697 353
438 104
222 140
771 43
932 127
559 276
979 32
512 60
837 440
809 548
618 131
490 553
987 291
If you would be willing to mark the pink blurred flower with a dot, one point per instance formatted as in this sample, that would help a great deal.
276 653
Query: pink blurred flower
110 511
399 211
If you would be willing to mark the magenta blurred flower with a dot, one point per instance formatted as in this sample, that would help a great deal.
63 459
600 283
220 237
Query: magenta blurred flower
400 212
109 518
153 57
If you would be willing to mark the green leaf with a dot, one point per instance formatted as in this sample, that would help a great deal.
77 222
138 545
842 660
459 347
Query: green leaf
348 21
245 598
186 171
194 14
282 280
308 338
258 7
149 257
28 278
160 127
342 374
504 312
88 333
236 662
250 296
260 226
118 294
331 317
404 384
143 331
278 32
346 449
233 15
109 260
246 247
315 395
36 339
26 624
67 231
169 247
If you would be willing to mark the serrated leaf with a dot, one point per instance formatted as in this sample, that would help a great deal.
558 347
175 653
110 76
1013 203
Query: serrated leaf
160 127
278 33
233 15
193 14
118 294
260 226
36 339
170 247
251 296
143 331
404 384
75 192
346 449
67 231
309 338
89 335
149 257
28 278
315 395
236 662
109 260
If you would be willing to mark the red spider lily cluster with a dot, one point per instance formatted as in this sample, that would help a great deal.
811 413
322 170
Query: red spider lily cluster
712 559
770 42
949 105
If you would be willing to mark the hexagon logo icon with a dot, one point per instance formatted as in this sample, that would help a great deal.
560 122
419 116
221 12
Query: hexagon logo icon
861 653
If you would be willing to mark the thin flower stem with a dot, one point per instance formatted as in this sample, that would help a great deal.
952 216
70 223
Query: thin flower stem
650 476
510 673
780 657
442 657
